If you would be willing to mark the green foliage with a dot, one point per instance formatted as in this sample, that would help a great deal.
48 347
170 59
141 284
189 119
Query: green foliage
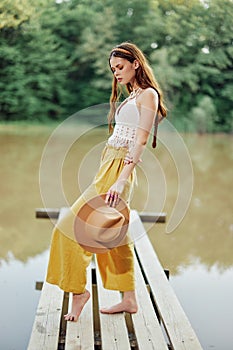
14 13
196 61
204 115
54 56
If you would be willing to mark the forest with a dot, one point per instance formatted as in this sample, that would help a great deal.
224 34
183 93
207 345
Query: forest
54 57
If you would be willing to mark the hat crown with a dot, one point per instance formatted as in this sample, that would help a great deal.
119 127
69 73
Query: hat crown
99 227
104 224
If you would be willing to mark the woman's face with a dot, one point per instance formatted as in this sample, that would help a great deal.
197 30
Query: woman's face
123 70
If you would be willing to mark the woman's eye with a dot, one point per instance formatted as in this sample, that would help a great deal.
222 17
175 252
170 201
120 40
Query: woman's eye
118 68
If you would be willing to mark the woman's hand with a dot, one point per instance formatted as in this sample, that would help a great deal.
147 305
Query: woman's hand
114 192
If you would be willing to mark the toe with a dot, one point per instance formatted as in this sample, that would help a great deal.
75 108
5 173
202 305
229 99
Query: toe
70 317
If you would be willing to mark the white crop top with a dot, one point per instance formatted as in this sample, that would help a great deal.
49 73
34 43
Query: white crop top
127 120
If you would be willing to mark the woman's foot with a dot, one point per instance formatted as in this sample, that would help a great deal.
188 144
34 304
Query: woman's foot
128 304
79 301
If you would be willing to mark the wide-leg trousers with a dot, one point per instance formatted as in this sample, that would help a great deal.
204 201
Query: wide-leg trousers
68 261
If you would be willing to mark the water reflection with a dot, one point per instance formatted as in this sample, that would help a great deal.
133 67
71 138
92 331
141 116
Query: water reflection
199 252
20 233
206 232
19 299
206 293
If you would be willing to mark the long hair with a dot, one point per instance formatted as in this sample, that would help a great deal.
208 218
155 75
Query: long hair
144 77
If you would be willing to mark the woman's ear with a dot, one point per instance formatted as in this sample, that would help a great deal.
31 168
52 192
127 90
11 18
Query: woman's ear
136 64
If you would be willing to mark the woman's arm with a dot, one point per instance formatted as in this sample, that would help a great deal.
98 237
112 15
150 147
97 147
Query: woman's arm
147 104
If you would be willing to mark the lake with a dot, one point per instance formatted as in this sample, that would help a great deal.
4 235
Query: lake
198 250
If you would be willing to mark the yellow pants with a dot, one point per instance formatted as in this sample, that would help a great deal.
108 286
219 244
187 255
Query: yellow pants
68 260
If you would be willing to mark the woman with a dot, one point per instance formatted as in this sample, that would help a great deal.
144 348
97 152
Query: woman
134 120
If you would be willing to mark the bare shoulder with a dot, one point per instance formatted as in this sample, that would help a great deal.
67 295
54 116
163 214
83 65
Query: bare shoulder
148 97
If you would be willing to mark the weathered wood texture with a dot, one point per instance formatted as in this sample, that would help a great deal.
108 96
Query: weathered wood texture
113 328
46 327
159 324
147 329
176 323
80 335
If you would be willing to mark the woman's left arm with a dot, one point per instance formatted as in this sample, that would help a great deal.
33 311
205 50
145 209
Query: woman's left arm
148 104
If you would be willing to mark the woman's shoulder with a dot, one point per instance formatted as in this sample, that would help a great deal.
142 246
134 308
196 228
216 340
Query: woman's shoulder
148 94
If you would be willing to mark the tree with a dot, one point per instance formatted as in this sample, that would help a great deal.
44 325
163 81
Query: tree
54 55
197 58
33 66
204 116
14 13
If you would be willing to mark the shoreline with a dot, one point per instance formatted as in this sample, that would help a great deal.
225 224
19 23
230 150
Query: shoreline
41 126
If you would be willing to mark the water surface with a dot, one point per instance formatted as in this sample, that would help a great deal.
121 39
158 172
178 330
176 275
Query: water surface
198 253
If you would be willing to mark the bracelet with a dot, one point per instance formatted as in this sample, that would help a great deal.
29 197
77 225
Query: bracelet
131 162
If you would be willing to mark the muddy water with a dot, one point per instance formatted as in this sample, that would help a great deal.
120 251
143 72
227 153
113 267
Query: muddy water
198 253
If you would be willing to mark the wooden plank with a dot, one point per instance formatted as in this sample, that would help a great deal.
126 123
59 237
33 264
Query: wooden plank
46 213
176 323
147 216
146 325
114 334
80 334
45 331
53 213
46 327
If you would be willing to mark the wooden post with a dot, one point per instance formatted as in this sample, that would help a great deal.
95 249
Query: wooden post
53 213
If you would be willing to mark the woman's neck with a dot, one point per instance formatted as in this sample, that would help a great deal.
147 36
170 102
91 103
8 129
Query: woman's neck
134 85
135 92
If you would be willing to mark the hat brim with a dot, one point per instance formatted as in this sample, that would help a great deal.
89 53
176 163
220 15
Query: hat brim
80 227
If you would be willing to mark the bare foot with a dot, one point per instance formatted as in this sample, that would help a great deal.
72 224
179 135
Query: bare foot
128 304
79 300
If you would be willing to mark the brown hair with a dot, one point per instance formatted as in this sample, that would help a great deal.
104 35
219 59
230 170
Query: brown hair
144 77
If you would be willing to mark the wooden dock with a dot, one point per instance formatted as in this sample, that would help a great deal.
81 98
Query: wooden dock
159 324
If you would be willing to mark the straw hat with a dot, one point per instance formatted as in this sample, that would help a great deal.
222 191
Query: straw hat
99 227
